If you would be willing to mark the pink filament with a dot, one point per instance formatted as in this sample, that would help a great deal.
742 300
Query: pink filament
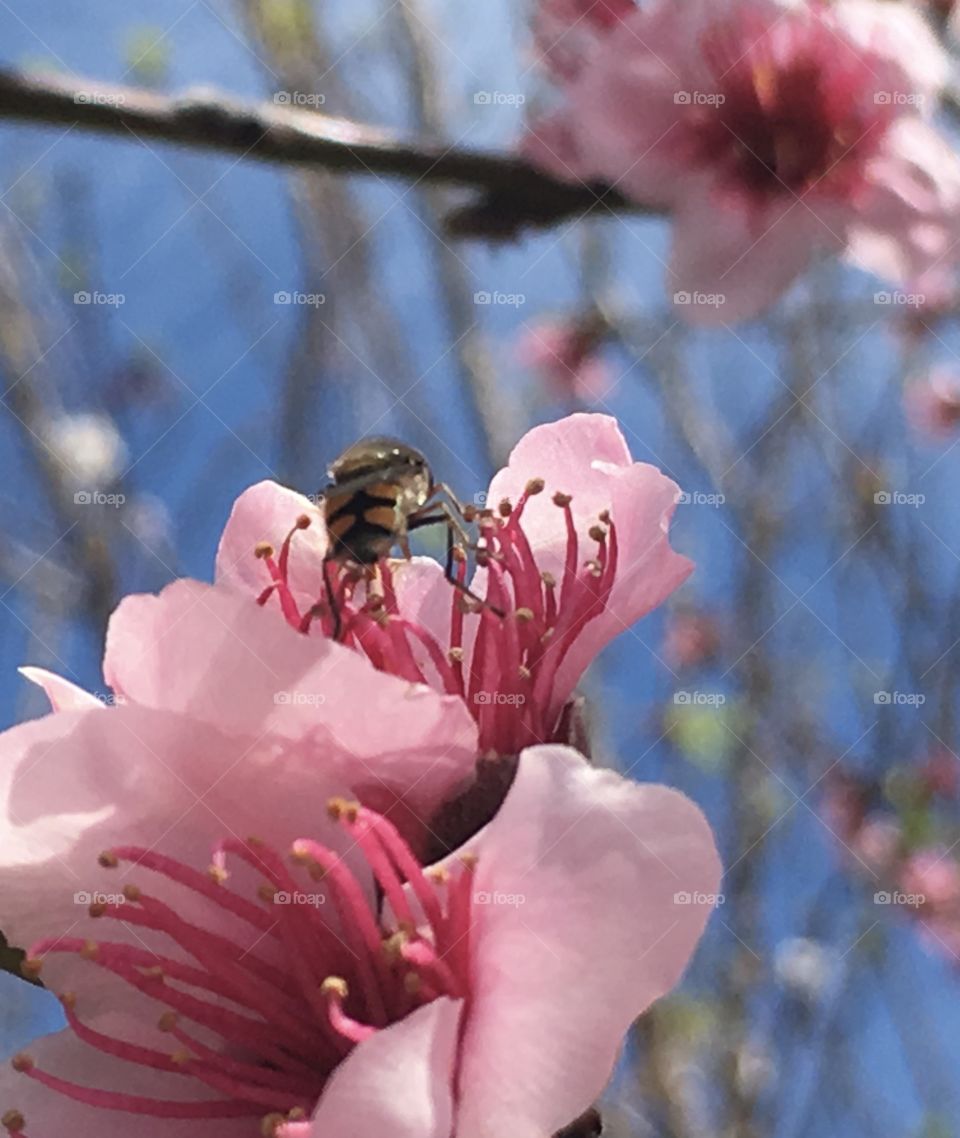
515 658
283 1025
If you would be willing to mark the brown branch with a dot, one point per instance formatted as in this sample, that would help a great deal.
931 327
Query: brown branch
513 194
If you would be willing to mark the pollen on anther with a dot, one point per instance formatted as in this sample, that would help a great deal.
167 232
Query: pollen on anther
560 499
68 1000
604 516
270 1124
598 534
455 655
341 808
334 986
524 614
548 579
22 1063
90 950
217 874
168 1021
108 860
468 860
13 1122
132 892
97 909
263 549
304 521
505 508
535 486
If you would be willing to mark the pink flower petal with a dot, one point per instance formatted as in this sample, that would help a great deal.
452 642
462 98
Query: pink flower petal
587 455
910 218
53 1115
216 655
64 695
266 512
75 783
729 264
397 1083
592 936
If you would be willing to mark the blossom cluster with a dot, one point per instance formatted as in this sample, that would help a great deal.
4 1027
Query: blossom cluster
224 871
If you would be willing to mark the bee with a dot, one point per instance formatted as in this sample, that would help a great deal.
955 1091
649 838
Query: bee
380 490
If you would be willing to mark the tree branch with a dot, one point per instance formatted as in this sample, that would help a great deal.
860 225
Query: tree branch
513 194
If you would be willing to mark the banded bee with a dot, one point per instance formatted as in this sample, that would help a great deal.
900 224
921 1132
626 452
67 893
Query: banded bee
380 490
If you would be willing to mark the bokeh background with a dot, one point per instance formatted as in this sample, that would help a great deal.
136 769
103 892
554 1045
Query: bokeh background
802 687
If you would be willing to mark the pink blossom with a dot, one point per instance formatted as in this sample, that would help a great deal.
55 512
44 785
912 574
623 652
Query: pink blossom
877 843
576 550
940 773
932 402
692 638
488 997
566 354
771 132
933 875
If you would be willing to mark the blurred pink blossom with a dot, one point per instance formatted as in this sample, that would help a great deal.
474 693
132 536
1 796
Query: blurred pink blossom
771 132
932 402
692 638
934 875
488 997
578 550
566 354
940 772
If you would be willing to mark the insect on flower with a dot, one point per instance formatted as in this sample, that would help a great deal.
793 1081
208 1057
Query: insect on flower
380 490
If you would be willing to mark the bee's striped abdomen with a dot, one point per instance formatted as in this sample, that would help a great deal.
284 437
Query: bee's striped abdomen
363 524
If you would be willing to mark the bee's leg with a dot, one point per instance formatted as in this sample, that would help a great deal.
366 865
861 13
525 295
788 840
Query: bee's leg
451 498
454 529
331 600
404 542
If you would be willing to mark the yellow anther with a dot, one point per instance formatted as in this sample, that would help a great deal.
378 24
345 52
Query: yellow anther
334 986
